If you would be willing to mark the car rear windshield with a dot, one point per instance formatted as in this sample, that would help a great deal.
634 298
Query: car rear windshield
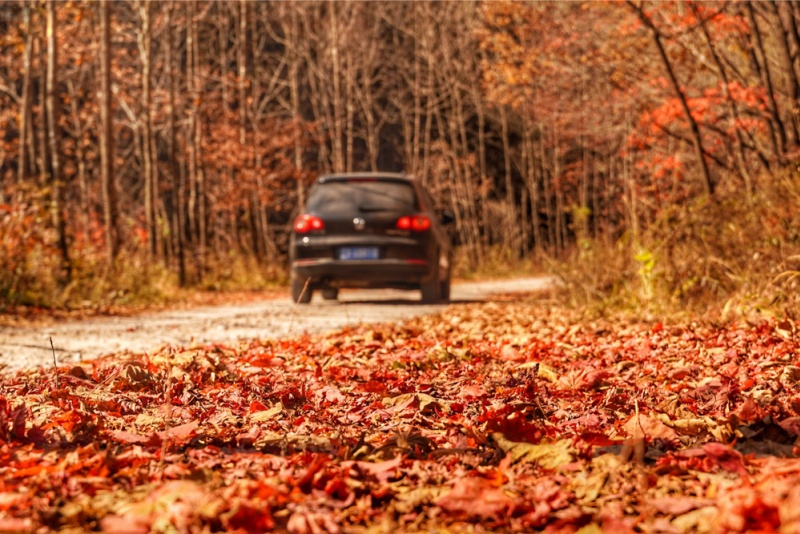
361 196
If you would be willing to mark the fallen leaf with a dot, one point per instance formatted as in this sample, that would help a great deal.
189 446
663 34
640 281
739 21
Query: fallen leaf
425 402
179 433
701 521
650 428
129 437
547 455
13 524
677 505
475 497
381 471
265 415
547 373
510 354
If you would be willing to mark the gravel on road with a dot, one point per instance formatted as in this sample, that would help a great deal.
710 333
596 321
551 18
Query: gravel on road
76 340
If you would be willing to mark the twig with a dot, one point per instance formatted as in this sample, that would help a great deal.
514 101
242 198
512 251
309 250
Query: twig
164 444
55 364
294 311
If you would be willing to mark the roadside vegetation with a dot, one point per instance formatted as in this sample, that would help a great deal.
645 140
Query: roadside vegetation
737 256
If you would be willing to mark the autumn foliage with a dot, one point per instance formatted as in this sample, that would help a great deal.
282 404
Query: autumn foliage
646 152
542 127
506 416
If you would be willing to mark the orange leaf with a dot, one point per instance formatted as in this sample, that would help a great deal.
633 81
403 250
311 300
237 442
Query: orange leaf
179 433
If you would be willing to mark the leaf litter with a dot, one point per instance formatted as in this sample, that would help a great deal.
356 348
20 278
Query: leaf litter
511 416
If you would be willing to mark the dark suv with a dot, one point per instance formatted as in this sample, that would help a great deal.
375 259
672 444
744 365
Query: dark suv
369 230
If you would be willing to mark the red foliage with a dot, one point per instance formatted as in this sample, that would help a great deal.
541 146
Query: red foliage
428 426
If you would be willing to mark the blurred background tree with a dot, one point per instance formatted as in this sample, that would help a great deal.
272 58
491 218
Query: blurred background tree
171 142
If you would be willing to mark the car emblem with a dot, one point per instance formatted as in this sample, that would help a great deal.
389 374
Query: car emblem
359 223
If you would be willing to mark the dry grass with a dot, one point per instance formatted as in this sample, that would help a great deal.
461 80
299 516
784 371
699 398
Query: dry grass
134 281
495 263
727 258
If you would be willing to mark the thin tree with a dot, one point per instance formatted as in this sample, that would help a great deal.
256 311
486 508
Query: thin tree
741 161
697 140
777 127
54 145
107 136
25 162
177 175
145 46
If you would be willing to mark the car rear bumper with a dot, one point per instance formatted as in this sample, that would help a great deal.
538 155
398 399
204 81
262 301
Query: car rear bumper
362 273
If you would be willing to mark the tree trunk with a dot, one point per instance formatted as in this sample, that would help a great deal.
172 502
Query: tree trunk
741 161
297 117
145 41
242 78
42 137
202 206
24 169
531 179
178 185
784 40
54 146
483 178
196 212
510 231
338 148
106 140
778 128
792 16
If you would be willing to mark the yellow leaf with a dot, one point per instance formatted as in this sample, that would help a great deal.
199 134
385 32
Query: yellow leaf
547 455
588 486
543 371
700 520
265 415
147 420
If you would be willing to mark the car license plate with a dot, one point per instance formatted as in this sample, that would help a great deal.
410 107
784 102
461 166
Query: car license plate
358 253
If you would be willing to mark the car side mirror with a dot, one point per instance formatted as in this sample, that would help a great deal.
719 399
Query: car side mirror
447 217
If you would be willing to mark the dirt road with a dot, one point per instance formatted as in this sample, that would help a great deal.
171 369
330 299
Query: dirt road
29 346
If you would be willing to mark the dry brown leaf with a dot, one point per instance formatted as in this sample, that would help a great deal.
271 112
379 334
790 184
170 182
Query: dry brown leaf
642 426
588 490
547 455
408 500
691 426
425 402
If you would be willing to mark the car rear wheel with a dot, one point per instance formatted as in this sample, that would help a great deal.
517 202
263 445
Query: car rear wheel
444 291
330 294
432 288
301 291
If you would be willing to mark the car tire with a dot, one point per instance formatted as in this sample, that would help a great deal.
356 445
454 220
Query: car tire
301 292
444 291
330 294
432 288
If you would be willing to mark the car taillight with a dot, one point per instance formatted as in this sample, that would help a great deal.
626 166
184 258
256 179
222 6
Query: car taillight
306 223
415 223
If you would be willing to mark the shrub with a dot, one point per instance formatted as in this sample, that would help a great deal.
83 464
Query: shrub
722 257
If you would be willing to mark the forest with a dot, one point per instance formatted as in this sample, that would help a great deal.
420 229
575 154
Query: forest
638 145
